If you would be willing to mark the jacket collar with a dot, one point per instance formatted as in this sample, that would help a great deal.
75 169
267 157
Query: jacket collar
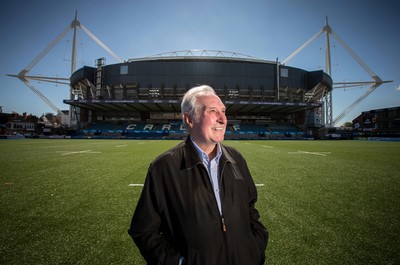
191 160
226 157
190 155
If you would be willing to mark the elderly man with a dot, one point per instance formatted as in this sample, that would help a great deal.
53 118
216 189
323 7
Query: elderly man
198 202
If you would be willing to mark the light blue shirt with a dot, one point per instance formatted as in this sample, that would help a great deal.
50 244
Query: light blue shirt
213 170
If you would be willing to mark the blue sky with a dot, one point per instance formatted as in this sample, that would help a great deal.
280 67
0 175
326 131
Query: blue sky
267 29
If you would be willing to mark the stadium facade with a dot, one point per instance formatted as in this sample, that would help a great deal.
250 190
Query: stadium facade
141 97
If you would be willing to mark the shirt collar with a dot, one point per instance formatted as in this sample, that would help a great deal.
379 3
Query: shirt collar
203 155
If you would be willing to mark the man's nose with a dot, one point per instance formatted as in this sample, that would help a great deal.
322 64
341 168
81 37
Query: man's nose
221 117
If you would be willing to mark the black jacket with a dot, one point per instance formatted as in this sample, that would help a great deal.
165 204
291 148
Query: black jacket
177 214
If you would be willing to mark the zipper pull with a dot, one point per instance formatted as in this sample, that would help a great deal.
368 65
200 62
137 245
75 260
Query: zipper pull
223 224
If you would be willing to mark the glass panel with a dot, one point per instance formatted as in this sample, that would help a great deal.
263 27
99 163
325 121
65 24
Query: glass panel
124 70
284 72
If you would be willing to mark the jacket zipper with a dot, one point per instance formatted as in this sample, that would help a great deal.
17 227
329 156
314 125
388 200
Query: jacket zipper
223 224
224 229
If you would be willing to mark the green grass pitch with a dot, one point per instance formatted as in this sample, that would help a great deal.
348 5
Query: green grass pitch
324 202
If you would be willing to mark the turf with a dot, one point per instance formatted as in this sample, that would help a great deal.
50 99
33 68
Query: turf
324 202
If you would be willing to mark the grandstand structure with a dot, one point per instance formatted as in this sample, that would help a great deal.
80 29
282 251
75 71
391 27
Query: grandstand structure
140 98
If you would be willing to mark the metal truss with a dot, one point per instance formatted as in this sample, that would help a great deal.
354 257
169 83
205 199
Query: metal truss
328 119
22 75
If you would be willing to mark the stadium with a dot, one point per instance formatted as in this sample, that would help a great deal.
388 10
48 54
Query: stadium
140 98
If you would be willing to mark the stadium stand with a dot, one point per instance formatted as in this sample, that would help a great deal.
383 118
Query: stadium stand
176 130
140 98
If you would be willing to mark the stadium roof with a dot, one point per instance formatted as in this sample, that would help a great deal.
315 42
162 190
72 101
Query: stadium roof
201 54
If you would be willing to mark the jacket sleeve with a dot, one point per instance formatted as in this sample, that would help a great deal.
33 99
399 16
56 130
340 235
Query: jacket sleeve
146 227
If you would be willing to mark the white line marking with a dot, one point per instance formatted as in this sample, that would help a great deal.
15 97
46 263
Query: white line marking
309 153
259 185
122 145
81 152
268 146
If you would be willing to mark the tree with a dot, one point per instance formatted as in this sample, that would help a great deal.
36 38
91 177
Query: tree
347 124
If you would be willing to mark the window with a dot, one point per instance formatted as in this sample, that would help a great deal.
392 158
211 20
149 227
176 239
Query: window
284 72
124 70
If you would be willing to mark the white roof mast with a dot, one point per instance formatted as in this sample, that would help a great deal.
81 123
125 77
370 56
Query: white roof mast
59 80
328 120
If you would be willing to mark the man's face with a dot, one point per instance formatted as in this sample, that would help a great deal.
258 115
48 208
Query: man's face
210 124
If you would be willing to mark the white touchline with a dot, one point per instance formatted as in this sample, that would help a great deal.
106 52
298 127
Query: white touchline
122 145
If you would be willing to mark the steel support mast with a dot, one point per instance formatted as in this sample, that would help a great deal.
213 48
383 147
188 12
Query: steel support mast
328 96
328 119
22 75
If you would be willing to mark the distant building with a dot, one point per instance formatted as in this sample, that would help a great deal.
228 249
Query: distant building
378 122
4 117
17 124
63 117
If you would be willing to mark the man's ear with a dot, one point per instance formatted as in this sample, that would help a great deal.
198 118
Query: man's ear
188 120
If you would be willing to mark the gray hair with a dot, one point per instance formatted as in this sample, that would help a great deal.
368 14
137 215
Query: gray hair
189 101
